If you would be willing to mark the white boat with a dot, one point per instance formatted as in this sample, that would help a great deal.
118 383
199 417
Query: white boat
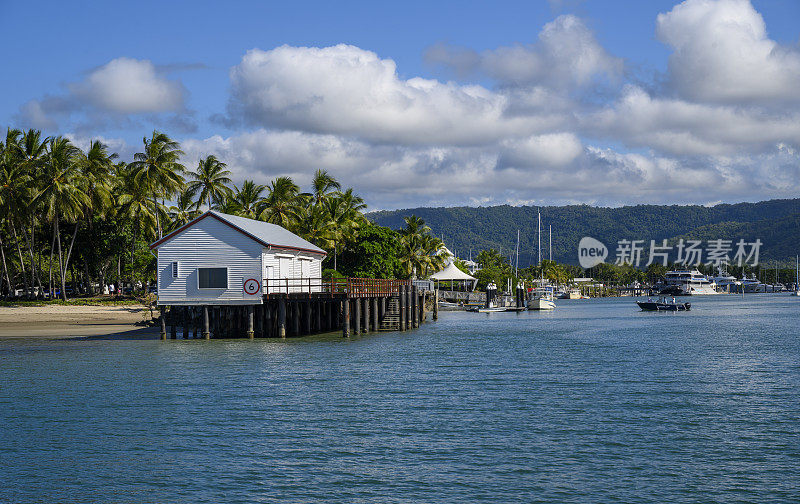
542 297
725 282
688 283
751 285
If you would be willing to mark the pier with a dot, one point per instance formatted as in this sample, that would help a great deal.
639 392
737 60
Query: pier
305 306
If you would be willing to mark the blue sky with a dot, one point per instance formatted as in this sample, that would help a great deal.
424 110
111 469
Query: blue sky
431 103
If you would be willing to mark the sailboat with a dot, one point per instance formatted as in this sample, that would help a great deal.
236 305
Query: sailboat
542 296
797 276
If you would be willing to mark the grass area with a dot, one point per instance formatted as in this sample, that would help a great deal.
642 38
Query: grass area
80 301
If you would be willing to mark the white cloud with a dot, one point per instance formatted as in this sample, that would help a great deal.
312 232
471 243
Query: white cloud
392 176
553 150
566 54
683 128
722 54
113 93
349 91
130 86
114 145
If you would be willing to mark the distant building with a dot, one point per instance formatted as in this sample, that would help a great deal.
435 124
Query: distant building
224 259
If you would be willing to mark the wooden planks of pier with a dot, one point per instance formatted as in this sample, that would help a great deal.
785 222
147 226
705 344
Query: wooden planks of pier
353 306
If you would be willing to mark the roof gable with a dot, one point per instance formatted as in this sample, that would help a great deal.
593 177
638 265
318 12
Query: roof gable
269 235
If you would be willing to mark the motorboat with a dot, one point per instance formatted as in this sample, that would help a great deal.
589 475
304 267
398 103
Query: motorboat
541 298
663 304
751 285
687 283
568 294
725 282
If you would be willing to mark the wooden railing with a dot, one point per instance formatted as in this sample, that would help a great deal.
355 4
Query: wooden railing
349 287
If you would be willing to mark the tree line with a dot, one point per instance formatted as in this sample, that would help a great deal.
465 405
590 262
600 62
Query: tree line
75 220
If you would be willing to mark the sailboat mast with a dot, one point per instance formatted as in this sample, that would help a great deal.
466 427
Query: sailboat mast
516 263
539 233
541 271
550 226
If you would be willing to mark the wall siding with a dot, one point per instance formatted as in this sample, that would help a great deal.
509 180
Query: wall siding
211 243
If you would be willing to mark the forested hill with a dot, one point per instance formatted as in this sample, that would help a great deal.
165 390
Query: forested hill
775 222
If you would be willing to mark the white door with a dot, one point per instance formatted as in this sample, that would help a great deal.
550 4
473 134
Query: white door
284 273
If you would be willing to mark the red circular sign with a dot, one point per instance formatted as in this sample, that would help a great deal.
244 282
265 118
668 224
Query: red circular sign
251 286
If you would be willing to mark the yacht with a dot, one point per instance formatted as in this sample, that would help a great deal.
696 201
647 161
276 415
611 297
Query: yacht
688 283
751 285
725 282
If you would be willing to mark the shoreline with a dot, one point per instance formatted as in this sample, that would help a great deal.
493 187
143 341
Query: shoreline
65 322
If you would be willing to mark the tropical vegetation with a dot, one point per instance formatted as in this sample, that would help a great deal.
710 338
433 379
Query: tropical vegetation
75 220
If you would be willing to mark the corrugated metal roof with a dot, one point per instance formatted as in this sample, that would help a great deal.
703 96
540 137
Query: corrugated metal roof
264 232
272 234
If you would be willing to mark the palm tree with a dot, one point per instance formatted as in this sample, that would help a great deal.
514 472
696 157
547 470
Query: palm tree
134 206
228 205
422 252
314 224
210 181
62 195
249 198
96 166
159 170
184 211
281 204
344 211
13 183
17 189
323 185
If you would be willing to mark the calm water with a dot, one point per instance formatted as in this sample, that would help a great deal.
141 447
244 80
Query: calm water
596 402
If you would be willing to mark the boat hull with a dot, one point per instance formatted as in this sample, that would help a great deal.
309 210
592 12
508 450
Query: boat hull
541 304
656 306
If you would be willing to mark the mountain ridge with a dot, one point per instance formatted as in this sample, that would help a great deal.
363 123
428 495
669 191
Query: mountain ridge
776 222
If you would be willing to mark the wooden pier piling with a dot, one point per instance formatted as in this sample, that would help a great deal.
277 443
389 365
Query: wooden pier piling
281 317
346 318
173 331
374 311
402 304
357 316
206 328
163 323
250 329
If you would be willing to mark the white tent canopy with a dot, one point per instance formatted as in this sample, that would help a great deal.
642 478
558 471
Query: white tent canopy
451 272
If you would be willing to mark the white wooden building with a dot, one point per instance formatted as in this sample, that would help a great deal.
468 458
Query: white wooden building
220 259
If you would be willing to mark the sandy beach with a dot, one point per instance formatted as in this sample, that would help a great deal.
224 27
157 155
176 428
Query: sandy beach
57 321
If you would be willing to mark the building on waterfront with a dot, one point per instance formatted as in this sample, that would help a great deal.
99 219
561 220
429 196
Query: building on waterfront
224 259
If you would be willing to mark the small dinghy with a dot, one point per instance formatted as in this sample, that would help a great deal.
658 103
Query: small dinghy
663 304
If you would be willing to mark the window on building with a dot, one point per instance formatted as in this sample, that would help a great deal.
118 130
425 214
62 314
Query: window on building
175 270
305 267
212 278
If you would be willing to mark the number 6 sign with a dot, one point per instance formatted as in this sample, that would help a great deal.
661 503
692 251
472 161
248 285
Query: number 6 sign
251 286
